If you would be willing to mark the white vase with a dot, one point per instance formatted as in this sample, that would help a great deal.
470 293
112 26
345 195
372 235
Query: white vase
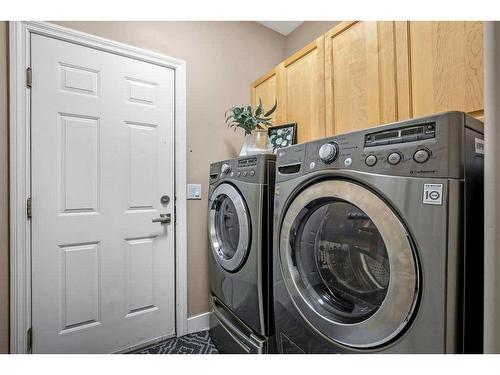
256 143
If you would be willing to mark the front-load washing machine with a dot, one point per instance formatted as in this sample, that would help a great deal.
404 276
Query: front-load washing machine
240 233
379 240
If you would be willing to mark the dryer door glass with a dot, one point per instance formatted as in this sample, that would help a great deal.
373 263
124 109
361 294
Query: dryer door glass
348 263
229 227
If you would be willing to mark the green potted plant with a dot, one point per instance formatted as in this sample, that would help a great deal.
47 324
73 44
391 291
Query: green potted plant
254 123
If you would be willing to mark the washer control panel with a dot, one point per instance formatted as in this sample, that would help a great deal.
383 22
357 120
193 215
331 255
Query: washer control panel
425 147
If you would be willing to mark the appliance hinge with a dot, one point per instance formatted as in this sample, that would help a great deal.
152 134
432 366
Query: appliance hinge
28 208
29 340
29 77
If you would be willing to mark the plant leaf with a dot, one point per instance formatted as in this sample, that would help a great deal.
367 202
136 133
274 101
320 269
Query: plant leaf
271 111
259 108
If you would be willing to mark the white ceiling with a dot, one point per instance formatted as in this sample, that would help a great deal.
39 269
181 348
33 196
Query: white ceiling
283 27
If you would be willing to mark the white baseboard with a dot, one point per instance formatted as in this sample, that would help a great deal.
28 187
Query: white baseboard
198 323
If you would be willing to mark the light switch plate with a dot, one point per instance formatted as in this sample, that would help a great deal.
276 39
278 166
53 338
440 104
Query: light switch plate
194 191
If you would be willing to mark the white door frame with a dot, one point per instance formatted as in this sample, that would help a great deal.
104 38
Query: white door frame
20 182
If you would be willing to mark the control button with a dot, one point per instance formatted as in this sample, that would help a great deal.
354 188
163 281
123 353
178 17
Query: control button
232 174
421 156
328 152
245 173
347 162
252 172
238 174
312 165
281 154
225 168
371 160
394 158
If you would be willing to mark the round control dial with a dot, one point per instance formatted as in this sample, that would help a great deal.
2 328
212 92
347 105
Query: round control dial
328 152
421 156
394 158
225 168
371 160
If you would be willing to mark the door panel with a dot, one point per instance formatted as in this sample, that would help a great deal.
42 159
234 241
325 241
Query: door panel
80 286
446 67
79 163
102 156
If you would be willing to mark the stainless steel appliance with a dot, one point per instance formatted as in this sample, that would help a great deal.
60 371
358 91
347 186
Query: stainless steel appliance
379 240
240 220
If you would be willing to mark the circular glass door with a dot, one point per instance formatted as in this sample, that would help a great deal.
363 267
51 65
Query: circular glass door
229 227
348 264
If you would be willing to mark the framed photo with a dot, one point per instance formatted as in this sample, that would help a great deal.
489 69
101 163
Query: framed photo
283 135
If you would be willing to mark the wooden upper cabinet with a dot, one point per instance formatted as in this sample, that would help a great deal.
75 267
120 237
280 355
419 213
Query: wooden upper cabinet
266 88
360 75
363 74
302 85
298 85
446 67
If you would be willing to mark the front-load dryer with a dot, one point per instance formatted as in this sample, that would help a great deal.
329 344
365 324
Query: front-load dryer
240 234
379 240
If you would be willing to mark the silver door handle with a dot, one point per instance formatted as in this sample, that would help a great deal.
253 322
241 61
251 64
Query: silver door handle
163 219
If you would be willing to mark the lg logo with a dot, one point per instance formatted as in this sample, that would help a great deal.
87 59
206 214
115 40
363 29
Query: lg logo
433 194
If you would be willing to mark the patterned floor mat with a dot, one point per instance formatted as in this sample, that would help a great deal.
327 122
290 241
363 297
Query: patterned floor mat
194 343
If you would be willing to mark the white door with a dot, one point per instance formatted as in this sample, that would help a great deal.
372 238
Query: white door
102 157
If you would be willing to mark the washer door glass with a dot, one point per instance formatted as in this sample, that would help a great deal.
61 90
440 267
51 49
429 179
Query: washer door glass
348 263
342 259
229 227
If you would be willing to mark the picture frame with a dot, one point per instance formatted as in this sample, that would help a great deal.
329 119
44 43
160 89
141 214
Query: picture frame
282 136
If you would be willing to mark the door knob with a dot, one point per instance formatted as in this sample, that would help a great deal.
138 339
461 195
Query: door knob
163 219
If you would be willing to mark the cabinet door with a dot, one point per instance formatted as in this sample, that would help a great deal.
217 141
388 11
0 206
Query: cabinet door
360 75
302 87
266 88
446 67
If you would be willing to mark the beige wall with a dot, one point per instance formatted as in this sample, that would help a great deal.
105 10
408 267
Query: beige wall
4 198
305 33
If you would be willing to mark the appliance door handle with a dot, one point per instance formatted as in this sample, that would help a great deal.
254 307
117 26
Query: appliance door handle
163 219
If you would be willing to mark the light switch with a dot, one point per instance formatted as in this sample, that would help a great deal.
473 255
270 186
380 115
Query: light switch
194 191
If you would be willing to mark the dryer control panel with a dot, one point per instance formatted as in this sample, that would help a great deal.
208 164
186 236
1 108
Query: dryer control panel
425 147
250 169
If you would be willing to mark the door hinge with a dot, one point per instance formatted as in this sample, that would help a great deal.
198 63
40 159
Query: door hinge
29 77
29 340
28 208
